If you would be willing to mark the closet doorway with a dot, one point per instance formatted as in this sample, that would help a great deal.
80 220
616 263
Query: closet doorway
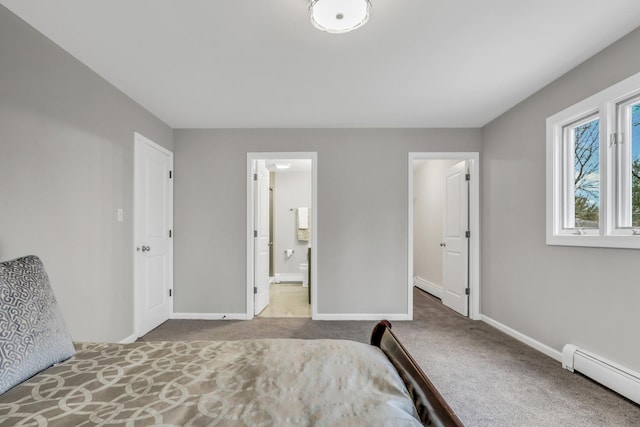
444 228
281 234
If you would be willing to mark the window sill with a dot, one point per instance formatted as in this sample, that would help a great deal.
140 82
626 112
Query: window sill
619 242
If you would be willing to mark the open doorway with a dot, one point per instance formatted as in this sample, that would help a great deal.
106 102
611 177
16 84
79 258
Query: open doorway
281 234
444 228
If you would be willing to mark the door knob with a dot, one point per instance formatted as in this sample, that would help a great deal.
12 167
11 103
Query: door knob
146 248
441 244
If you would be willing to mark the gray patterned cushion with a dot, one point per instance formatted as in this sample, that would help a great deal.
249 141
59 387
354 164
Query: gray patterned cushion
33 335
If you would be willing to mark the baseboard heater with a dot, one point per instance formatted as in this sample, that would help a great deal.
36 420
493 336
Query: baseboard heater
610 374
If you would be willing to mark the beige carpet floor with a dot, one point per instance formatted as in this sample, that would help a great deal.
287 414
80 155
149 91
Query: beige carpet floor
488 378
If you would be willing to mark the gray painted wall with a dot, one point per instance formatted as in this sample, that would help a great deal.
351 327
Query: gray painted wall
362 213
292 190
66 166
554 294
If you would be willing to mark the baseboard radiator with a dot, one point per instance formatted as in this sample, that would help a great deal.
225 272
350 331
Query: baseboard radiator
610 374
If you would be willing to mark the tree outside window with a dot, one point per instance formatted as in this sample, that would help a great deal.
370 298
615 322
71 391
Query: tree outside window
587 174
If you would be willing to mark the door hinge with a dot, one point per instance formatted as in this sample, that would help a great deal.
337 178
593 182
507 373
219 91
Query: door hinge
467 291
170 233
170 293
255 233
255 176
467 234
255 290
170 174
468 177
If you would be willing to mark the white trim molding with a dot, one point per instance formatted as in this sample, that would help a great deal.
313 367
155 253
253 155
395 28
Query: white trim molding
543 348
288 278
425 285
362 316
210 316
129 339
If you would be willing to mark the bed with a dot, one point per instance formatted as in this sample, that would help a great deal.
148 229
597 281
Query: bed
46 380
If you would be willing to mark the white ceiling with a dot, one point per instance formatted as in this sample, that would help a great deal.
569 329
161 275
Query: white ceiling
261 64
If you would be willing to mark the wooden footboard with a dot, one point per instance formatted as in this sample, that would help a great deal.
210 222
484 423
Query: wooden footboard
432 409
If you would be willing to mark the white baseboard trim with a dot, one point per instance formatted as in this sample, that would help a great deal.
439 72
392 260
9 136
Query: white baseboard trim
129 339
210 316
362 316
428 286
288 277
554 354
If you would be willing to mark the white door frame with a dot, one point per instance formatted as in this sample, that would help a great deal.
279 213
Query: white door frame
313 156
137 287
474 225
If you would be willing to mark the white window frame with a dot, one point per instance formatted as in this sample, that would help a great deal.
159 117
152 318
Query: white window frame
623 166
614 154
567 163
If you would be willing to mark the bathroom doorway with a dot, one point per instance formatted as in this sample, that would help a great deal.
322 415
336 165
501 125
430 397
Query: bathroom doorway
281 232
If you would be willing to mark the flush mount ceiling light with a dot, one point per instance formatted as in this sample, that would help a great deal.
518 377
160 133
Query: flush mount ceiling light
339 16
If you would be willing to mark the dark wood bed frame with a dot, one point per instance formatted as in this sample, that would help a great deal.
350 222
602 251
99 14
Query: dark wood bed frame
432 409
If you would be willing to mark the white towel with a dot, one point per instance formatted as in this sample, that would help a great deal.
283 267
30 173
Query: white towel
303 218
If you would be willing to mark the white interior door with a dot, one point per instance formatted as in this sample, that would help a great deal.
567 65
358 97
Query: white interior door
153 224
261 234
456 243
